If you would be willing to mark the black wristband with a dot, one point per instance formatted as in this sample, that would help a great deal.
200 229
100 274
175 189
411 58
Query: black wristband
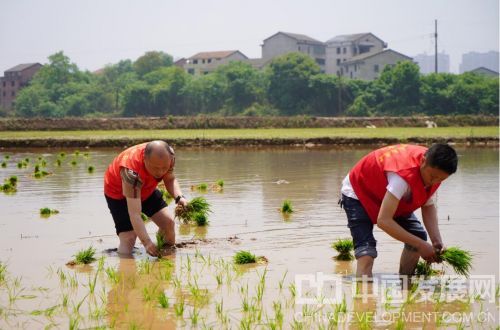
178 198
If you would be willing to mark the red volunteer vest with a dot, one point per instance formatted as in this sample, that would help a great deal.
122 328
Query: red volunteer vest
132 158
369 181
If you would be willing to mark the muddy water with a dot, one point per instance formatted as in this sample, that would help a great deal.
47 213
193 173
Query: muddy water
255 184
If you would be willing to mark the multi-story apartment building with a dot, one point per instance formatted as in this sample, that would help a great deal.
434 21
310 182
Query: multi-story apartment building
473 60
427 62
13 80
343 48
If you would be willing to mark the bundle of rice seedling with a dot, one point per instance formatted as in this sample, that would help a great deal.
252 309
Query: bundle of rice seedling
201 219
244 257
197 205
287 208
46 212
200 187
425 269
344 246
460 260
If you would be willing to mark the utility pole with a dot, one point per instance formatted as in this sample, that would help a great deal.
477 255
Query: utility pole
436 46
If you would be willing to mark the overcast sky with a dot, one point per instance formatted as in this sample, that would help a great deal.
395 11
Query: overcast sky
94 33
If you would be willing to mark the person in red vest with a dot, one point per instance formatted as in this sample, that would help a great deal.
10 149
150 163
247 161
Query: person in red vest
130 187
384 188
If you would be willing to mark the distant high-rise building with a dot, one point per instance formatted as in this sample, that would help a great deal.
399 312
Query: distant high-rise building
474 60
427 62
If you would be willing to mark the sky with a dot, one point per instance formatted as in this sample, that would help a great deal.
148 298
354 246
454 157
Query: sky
94 33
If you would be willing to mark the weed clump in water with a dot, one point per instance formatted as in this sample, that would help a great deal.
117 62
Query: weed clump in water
91 169
460 260
344 247
8 188
4 164
85 256
13 180
286 208
47 212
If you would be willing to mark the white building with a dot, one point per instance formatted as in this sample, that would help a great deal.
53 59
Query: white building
368 66
206 62
343 48
282 43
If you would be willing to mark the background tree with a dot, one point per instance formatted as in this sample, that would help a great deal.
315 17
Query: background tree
152 61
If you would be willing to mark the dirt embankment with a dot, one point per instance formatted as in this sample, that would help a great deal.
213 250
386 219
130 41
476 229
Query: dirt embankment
204 122
313 142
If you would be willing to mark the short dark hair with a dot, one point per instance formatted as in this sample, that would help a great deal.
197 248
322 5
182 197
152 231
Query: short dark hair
443 157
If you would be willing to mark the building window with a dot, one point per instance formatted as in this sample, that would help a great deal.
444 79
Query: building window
203 61
375 68
343 60
308 50
344 50
3 94
338 61
195 61
209 60
13 93
13 83
191 71
355 67
351 74
320 61
338 50
299 48
341 71
4 84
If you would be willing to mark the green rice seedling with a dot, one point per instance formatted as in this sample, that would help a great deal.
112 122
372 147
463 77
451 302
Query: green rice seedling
144 267
91 169
77 153
425 269
13 180
161 243
219 277
47 212
85 256
460 260
179 308
344 246
19 164
220 183
280 283
3 273
26 160
4 164
194 316
201 219
43 163
112 275
200 187
7 157
62 154
58 162
286 207
293 290
36 168
149 292
74 323
92 282
196 205
8 188
86 155
244 257
74 162
163 300
219 308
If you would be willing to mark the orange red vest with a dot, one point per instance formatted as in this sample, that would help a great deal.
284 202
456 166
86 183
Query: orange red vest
133 159
369 180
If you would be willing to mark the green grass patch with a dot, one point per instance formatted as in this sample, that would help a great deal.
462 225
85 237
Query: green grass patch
262 133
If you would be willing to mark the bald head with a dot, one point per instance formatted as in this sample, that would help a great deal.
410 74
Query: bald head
158 158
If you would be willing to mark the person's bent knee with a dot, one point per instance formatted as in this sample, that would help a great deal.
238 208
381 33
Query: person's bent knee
365 250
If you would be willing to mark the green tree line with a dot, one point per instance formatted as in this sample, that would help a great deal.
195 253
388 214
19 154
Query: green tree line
290 85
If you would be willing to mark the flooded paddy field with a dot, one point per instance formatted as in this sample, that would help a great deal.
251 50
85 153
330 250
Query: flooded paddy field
198 285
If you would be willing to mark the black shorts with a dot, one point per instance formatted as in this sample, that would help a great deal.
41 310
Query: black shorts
119 210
